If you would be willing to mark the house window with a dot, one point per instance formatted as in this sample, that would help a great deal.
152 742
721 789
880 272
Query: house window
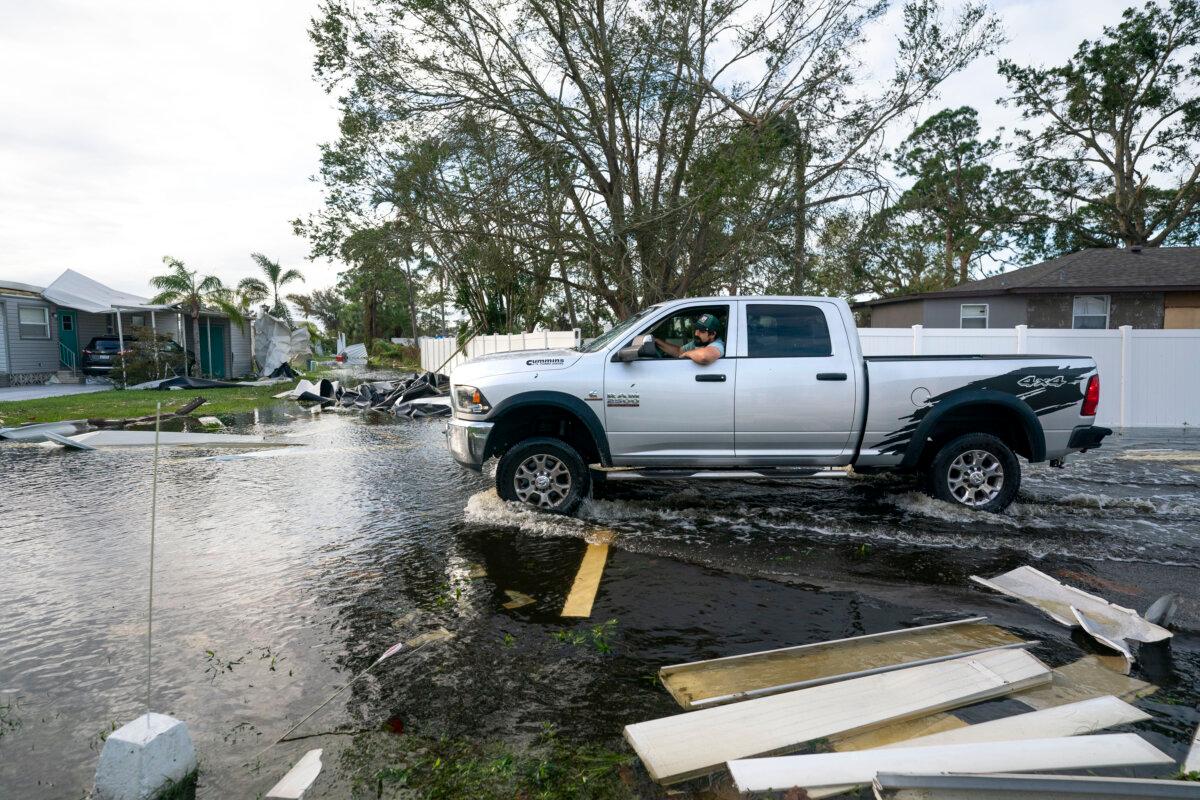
33 322
110 325
973 315
1090 311
138 320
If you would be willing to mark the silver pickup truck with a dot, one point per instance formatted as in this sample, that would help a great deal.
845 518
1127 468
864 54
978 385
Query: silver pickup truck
792 398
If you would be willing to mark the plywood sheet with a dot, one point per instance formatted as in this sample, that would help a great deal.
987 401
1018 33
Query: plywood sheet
834 769
688 745
1081 680
700 683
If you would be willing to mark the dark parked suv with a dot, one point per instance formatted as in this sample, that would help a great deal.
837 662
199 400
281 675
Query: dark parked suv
100 356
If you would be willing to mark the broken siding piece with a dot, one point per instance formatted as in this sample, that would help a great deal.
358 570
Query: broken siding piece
892 786
703 684
1072 719
688 745
838 769
1055 599
295 783
173 439
1109 636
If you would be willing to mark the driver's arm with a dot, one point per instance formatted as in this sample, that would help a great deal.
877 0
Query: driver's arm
702 355
673 350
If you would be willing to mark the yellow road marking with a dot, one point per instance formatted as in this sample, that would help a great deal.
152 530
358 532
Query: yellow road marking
587 582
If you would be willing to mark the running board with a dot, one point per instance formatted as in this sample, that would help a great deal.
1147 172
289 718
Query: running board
667 474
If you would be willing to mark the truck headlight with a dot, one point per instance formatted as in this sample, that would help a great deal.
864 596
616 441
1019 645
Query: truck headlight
470 400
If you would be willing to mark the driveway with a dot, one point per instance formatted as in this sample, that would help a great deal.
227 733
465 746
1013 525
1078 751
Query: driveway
10 393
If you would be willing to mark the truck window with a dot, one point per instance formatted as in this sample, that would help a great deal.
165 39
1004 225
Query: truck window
787 331
678 328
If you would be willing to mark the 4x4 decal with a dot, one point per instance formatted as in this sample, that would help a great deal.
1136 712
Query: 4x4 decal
1046 390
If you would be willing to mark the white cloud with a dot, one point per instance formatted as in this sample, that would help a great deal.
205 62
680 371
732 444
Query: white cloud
130 130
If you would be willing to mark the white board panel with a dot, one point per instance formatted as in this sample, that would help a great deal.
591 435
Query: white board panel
836 769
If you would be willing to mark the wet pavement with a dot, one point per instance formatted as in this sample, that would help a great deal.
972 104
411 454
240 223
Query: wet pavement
282 573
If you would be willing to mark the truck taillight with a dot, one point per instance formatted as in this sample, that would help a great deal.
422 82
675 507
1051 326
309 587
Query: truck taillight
1091 397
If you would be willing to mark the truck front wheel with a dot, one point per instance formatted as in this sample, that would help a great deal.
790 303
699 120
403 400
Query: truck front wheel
976 470
543 472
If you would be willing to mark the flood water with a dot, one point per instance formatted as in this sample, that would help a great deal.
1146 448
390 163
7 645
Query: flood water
282 573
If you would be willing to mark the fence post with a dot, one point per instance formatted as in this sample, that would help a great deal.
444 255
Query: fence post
1126 384
918 339
1022 338
546 339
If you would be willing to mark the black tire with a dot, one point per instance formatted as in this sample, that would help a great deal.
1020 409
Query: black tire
567 477
977 471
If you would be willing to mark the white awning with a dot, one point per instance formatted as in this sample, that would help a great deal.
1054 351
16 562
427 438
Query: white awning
73 290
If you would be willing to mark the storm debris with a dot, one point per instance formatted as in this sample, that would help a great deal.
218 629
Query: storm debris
418 395
1106 622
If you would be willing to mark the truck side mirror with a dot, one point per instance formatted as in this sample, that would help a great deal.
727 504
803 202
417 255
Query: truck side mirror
641 347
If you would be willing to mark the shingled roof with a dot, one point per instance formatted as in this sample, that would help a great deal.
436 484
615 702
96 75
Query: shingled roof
1092 270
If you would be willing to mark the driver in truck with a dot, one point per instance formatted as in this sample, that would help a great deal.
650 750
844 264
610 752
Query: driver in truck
705 348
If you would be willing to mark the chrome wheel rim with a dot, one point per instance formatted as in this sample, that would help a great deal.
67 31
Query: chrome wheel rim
543 481
975 477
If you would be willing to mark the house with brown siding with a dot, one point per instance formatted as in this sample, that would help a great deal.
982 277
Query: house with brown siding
1152 287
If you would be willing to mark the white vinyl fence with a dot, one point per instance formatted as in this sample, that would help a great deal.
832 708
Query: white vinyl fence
1148 378
438 352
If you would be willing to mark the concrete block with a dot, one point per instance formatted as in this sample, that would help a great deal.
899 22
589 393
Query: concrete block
145 759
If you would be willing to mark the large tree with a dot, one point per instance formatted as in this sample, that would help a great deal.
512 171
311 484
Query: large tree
960 201
1115 136
642 149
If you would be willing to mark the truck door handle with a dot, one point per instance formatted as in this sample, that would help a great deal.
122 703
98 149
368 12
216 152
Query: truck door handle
831 376
710 378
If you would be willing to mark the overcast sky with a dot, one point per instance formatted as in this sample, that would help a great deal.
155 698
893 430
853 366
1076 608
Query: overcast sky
134 130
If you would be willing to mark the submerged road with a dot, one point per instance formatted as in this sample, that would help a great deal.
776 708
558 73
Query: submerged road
283 572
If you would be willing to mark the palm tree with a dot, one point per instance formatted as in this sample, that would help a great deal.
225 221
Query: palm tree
185 288
277 277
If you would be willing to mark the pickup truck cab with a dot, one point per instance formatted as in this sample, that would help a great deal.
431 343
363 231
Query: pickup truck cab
793 397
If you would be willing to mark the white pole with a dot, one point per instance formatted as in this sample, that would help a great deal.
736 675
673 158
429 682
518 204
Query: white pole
153 519
154 330
1126 346
121 347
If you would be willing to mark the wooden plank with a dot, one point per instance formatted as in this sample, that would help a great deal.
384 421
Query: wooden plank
1072 719
587 582
894 786
837 769
702 684
687 745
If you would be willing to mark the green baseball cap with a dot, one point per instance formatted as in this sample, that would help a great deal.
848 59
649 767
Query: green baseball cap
707 322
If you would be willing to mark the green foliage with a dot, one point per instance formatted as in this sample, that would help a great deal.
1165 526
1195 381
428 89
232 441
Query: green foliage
1116 147
150 356
382 765
567 164
192 293
598 636
257 290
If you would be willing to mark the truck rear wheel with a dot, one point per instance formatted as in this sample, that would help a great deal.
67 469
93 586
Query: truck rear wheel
545 473
976 470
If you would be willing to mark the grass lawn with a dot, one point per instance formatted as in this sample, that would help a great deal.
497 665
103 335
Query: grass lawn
116 404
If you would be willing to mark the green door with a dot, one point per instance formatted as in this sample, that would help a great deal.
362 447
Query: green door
68 338
212 348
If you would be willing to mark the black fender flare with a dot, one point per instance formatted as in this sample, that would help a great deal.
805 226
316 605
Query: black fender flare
969 397
566 402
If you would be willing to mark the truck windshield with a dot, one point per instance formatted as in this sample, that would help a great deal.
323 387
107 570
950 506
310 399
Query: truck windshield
616 332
